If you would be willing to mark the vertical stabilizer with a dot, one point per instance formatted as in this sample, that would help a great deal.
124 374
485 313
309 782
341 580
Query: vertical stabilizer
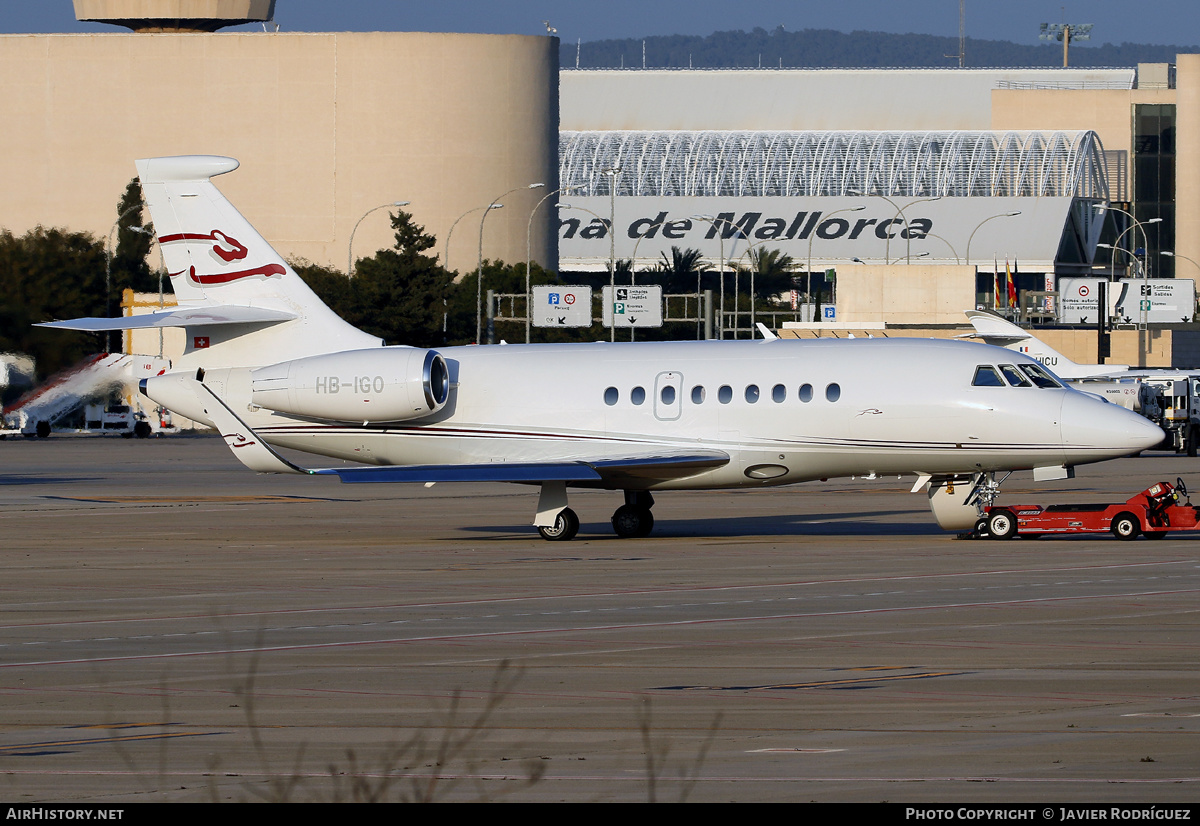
215 257
1000 332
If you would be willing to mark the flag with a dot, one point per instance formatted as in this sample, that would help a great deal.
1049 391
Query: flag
1012 284
997 288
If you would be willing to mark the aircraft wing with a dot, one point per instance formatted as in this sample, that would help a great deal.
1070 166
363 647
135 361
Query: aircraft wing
177 317
659 465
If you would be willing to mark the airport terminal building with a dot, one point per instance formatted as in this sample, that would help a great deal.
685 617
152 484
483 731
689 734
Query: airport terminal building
915 185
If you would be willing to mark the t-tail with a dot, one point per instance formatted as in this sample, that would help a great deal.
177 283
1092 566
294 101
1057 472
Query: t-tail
240 303
1000 332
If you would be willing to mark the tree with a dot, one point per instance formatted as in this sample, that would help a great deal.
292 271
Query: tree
398 294
772 272
49 274
129 268
678 273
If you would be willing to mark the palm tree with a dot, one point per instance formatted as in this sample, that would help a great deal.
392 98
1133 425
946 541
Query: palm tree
772 272
679 273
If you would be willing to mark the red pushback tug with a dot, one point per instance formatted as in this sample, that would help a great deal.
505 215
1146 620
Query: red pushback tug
1153 512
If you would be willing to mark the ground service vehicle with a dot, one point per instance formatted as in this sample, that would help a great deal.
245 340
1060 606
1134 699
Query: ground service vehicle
1153 512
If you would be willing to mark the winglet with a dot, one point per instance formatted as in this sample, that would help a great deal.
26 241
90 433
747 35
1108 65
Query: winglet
766 332
245 444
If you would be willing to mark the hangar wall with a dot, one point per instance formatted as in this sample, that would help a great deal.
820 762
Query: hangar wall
326 126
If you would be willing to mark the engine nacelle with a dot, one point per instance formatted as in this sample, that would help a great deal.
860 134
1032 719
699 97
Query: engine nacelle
386 384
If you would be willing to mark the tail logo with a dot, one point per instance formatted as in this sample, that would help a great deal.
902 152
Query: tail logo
228 249
266 270
224 247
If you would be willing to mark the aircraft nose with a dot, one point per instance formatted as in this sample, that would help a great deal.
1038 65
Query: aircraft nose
1090 424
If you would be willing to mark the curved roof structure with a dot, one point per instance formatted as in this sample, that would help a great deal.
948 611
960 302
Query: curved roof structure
916 164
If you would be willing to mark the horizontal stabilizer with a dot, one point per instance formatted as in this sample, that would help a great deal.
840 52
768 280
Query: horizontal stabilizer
197 316
990 326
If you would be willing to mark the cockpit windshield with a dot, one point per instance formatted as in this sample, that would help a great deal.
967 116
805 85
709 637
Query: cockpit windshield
1016 375
1040 375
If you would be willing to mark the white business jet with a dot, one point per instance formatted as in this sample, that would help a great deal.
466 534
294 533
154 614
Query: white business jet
270 366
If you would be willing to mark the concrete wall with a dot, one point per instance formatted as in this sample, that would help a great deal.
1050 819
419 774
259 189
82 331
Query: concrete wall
1108 112
904 294
326 127
798 99
1187 164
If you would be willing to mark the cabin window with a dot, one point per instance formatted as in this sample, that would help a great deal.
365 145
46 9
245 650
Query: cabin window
779 394
752 393
725 394
1015 377
833 392
698 394
611 396
806 393
1040 375
667 395
986 376
638 395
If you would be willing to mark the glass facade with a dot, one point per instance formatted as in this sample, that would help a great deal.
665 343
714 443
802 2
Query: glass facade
1154 185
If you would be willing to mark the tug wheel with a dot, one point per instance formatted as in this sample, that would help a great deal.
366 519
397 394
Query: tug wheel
1002 524
1126 526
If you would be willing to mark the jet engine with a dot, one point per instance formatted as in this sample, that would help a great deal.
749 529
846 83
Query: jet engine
388 384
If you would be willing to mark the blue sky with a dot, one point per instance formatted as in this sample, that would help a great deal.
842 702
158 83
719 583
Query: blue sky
1164 22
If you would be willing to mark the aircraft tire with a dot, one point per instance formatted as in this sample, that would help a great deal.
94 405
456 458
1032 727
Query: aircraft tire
565 526
1002 524
647 523
630 521
1125 526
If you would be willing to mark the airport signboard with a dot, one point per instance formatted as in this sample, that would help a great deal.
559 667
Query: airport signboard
1130 300
558 305
633 306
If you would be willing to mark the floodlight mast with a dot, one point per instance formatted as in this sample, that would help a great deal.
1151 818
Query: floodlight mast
1066 32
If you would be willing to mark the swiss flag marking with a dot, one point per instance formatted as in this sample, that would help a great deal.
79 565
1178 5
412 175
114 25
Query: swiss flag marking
199 342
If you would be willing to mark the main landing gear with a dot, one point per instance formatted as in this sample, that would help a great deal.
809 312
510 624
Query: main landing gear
558 523
634 517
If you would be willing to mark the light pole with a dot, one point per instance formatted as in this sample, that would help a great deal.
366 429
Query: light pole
1145 264
1141 225
953 251
612 173
709 219
350 249
908 258
528 254
108 256
1177 255
887 247
445 310
981 223
479 271
612 265
808 272
633 269
749 249
1184 257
